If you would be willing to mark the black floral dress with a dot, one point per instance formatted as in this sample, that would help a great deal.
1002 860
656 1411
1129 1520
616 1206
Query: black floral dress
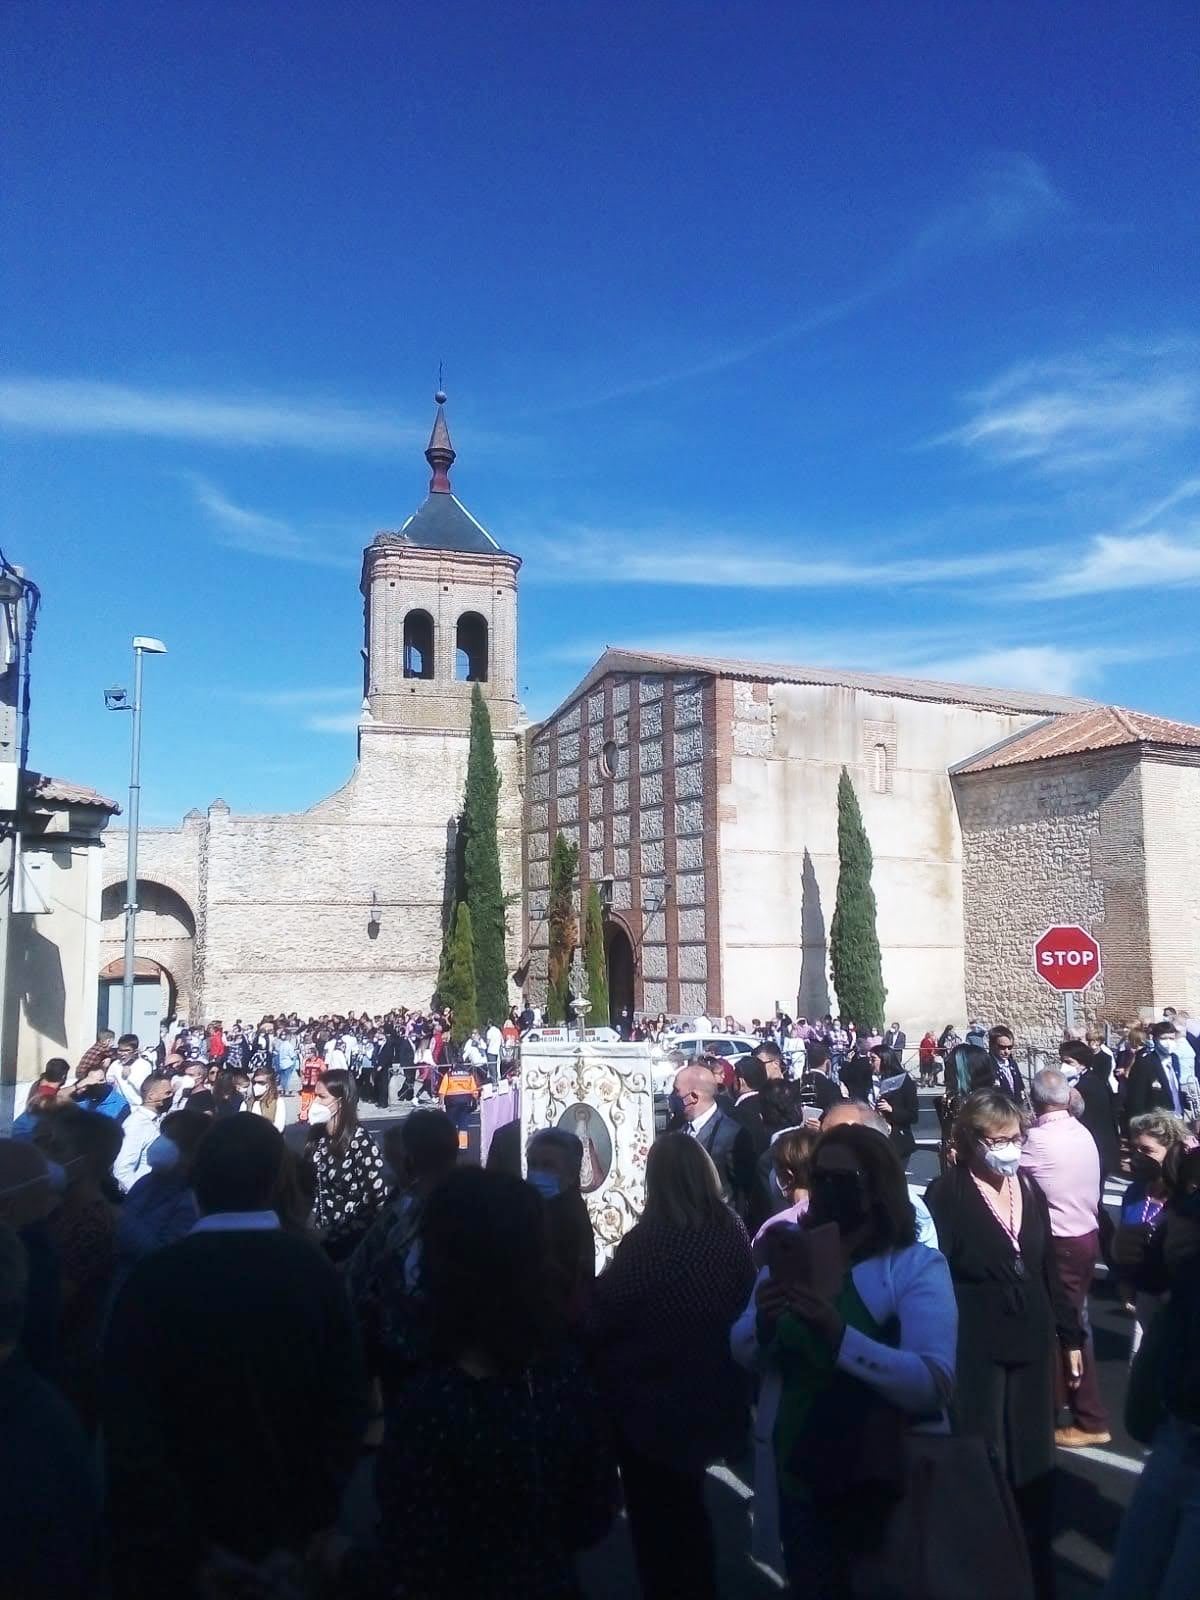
349 1188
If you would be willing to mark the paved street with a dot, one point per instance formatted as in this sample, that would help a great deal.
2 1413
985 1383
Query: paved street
1095 1485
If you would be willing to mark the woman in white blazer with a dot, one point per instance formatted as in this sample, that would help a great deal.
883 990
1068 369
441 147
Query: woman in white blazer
843 1376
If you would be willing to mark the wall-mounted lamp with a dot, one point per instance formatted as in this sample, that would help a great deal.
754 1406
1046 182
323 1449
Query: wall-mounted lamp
374 917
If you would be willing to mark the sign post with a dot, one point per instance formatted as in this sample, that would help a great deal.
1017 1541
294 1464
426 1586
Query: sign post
1068 959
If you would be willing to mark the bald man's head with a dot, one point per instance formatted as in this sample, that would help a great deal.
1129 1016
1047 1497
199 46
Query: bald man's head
848 1113
696 1090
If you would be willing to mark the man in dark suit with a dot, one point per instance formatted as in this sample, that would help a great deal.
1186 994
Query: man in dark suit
727 1141
1087 1072
745 1104
817 1088
195 1415
1008 1073
1154 1078
895 1039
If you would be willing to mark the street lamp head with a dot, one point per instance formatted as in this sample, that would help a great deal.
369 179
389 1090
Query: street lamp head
150 647
116 700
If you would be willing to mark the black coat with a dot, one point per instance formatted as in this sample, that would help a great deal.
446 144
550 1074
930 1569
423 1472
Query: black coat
857 1078
1017 1091
1100 1115
749 1114
902 1118
729 1144
1147 1088
818 1089
1003 1315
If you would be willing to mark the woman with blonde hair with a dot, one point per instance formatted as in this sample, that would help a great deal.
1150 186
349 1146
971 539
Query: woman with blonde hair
659 1325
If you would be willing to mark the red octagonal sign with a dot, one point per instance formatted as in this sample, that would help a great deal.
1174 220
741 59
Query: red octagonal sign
1067 957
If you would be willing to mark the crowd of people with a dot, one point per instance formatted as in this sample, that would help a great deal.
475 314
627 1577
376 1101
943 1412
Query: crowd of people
219 1342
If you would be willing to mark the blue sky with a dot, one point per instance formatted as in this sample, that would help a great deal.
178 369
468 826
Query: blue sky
856 334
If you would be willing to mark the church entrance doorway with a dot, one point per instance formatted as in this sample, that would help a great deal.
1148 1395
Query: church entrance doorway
618 952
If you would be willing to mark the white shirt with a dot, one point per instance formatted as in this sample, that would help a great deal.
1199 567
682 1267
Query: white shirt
131 1086
702 1122
335 1057
473 1054
138 1133
494 1040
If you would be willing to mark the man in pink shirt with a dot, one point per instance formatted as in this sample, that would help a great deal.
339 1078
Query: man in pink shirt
1061 1155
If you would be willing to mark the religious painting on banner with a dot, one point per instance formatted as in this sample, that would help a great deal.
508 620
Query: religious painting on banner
602 1093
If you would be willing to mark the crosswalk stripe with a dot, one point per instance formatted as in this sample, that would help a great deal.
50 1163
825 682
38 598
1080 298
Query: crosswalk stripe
1107 1458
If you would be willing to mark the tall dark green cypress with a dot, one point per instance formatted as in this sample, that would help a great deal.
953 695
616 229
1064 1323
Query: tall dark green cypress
597 967
484 890
564 927
458 991
853 940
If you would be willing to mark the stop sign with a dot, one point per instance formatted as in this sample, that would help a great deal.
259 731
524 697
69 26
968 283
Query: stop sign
1067 957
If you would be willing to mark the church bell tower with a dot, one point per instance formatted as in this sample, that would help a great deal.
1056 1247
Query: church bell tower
440 609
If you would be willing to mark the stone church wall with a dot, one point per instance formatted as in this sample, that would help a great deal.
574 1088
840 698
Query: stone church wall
1050 842
781 748
284 902
1171 811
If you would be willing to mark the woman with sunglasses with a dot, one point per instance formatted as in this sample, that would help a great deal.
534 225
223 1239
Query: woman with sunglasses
1014 1322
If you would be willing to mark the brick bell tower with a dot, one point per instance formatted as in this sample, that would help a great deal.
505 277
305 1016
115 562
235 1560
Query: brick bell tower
440 612
440 615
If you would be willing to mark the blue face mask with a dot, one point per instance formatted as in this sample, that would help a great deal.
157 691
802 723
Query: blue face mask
1164 1046
545 1183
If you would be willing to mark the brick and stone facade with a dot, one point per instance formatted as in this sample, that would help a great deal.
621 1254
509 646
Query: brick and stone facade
1109 840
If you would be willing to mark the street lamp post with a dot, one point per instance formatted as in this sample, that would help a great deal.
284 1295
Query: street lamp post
115 700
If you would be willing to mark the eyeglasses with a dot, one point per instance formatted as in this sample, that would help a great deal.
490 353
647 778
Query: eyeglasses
992 1140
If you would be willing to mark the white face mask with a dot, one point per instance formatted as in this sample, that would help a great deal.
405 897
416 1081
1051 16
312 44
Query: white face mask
319 1114
260 1089
1003 1158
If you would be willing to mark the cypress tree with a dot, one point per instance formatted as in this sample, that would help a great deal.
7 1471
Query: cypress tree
481 857
597 968
853 939
459 983
564 927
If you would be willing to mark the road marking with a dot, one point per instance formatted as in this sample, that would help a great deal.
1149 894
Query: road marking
731 1481
1106 1458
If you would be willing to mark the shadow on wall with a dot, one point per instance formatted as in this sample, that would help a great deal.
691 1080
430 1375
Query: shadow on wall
43 988
812 999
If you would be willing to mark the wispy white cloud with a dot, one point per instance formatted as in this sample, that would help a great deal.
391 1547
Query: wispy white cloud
680 557
89 406
1087 410
1009 195
1060 666
257 533
1117 562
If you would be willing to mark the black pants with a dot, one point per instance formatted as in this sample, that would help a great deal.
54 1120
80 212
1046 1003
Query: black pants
1013 1408
669 1525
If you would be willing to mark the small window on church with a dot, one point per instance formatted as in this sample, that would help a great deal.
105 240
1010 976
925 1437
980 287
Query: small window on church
418 645
610 759
471 655
881 777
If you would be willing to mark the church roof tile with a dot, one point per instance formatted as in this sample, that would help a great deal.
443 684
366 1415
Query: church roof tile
1101 728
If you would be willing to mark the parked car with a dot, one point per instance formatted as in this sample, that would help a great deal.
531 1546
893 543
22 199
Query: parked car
677 1048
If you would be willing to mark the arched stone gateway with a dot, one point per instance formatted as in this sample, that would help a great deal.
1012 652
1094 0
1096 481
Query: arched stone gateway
165 955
